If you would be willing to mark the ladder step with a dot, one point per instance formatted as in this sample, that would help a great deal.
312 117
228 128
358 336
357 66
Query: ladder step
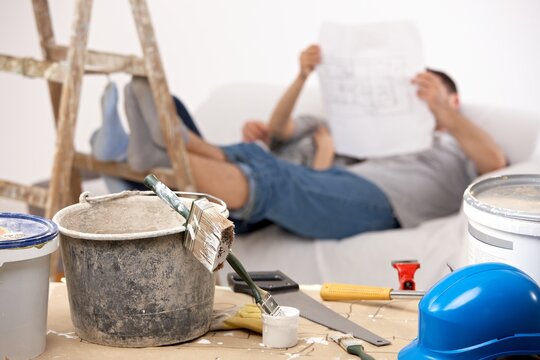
33 195
103 62
96 63
121 170
49 70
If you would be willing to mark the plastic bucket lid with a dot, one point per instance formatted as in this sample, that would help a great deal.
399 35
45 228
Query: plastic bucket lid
507 203
24 237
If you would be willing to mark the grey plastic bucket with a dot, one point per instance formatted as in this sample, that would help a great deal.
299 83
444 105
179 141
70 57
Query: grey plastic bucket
131 282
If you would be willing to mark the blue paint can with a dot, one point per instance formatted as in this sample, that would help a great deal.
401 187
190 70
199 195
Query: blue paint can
26 242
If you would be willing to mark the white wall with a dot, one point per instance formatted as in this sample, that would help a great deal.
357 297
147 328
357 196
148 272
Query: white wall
489 46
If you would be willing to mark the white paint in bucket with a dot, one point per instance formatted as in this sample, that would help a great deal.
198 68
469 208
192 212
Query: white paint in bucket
504 221
26 243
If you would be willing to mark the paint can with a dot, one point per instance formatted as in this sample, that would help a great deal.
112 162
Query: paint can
281 331
504 221
26 242
130 280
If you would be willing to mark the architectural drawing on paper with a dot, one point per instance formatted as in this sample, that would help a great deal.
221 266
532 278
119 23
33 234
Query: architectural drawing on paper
374 84
365 77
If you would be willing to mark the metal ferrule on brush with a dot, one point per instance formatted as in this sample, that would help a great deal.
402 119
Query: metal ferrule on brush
268 305
192 226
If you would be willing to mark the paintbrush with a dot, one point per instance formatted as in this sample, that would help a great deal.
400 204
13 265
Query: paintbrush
264 300
350 344
208 235
209 242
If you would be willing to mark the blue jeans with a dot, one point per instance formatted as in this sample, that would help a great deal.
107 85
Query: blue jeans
320 204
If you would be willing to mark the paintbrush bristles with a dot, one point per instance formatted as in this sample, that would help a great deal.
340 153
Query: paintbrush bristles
213 227
209 234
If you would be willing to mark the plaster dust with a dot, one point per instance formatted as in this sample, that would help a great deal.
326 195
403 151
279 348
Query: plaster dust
524 198
69 335
316 340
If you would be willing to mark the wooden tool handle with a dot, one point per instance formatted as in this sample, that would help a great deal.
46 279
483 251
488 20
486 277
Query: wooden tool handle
331 291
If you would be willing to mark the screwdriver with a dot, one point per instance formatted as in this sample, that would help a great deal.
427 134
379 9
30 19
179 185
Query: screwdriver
333 292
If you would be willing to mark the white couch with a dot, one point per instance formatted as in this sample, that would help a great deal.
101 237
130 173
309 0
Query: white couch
438 244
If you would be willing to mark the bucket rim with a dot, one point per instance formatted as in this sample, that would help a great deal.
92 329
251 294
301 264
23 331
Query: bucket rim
85 200
50 232
477 187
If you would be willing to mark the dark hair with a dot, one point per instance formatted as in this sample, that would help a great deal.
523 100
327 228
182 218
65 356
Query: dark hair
449 84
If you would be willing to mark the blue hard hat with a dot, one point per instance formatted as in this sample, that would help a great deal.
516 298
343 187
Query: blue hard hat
479 312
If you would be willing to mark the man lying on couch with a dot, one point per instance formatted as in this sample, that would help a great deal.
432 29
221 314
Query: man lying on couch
326 201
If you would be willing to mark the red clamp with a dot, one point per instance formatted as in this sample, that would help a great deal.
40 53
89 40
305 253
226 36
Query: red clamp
406 270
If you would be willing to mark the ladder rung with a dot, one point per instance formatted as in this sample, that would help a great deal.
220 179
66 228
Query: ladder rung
49 70
121 170
103 62
33 195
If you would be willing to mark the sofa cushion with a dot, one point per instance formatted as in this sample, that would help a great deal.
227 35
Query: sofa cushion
223 113
516 132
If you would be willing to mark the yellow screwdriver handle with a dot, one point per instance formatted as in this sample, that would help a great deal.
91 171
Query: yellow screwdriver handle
332 291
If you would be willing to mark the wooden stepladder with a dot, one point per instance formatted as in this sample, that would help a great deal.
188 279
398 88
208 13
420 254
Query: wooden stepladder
64 68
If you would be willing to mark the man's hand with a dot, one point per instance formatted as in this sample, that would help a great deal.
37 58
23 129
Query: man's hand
475 142
254 130
309 59
432 90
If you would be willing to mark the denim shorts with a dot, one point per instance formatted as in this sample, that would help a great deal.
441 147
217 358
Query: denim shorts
333 203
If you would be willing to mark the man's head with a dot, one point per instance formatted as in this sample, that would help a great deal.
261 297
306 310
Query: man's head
450 86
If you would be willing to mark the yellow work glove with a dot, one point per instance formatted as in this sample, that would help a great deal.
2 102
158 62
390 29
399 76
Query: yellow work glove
244 317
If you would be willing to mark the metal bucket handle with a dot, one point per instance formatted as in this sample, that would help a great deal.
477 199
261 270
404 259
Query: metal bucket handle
86 198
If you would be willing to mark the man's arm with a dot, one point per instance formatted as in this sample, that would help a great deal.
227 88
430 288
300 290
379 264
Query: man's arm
475 142
324 155
281 124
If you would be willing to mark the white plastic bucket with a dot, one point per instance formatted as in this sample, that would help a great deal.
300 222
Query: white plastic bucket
504 221
26 242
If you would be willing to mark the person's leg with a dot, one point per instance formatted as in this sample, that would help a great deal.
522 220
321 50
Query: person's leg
185 116
328 204
110 141
219 178
321 204
198 146
191 135
143 153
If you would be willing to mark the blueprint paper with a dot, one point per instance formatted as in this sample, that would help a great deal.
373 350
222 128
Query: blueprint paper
365 78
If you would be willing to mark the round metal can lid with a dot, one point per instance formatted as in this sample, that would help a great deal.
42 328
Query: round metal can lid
22 230
512 196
